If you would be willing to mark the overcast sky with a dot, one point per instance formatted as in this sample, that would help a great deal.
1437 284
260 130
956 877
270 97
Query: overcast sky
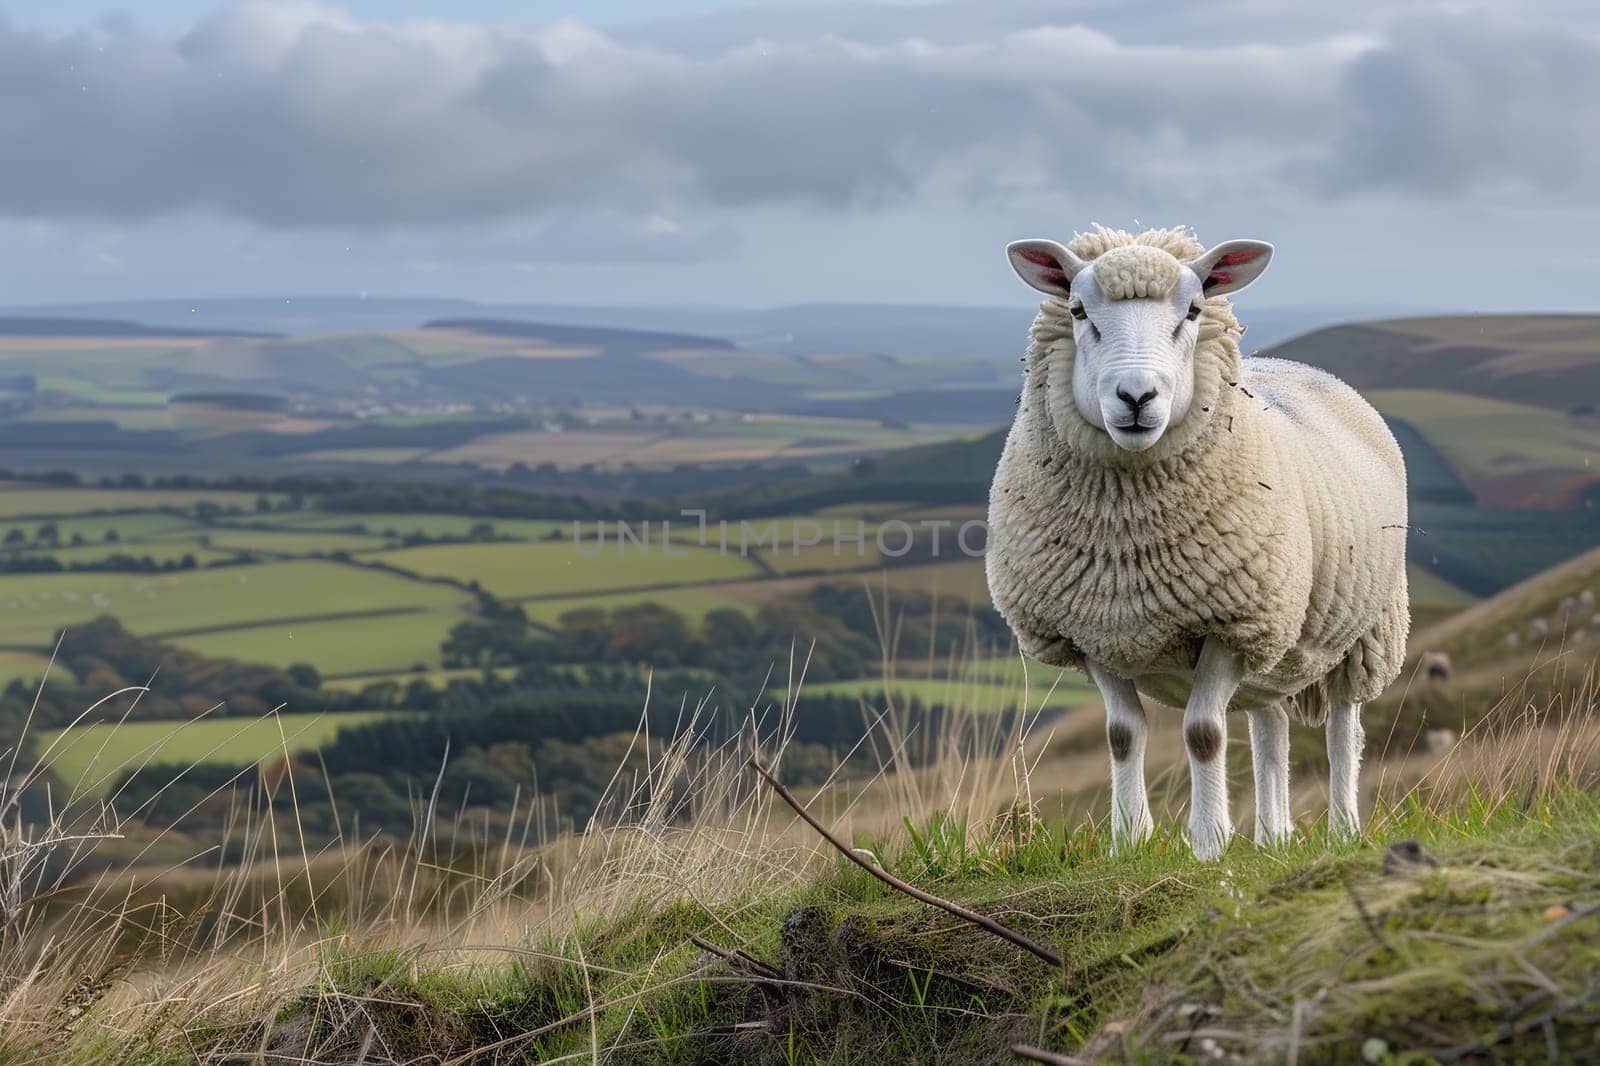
714 153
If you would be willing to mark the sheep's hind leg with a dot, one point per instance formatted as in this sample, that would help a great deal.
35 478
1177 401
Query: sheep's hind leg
1205 733
1269 753
1345 741
1125 735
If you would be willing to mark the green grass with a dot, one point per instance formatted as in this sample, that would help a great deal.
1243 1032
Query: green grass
92 756
339 646
34 606
543 569
1312 946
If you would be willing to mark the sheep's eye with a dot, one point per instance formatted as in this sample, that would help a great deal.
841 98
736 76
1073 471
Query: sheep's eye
1194 312
1079 313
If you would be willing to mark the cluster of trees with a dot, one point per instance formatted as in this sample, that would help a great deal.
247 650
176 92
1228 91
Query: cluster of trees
836 627
21 553
116 562
100 657
559 738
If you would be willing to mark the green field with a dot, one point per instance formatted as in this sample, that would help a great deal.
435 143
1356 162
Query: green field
429 525
35 605
289 542
27 667
960 580
1073 691
692 603
517 571
27 499
90 757
93 528
1512 453
436 678
393 642
1430 590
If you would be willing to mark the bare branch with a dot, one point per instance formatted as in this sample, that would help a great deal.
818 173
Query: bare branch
980 920
1039 1054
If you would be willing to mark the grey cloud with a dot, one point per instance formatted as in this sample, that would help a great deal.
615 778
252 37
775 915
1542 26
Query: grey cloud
294 116
1450 105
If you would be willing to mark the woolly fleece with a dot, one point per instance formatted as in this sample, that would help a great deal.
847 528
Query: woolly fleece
1273 516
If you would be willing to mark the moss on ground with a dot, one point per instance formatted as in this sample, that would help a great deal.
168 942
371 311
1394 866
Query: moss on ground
1473 937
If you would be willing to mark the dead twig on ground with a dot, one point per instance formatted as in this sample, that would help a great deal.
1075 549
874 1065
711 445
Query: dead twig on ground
738 958
1039 1054
982 921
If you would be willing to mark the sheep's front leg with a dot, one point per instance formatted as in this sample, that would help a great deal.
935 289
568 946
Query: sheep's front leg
1345 741
1269 753
1125 735
1205 733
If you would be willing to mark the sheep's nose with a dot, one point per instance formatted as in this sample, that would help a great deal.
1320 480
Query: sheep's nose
1135 402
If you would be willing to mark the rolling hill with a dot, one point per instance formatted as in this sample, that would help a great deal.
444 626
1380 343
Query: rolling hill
1512 401
1546 361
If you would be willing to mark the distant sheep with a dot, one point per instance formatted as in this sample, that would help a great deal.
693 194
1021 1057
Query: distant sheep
1211 532
1435 666
1439 741
1586 597
1538 628
1513 638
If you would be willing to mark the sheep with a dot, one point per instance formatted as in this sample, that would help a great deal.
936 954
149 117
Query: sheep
1208 532
1435 665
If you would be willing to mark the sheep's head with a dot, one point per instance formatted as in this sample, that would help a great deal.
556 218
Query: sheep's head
1135 311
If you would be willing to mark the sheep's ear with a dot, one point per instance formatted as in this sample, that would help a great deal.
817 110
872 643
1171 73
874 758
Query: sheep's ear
1046 265
1230 266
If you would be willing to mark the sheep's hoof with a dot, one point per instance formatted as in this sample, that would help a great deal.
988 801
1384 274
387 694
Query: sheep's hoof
1209 841
1273 838
1125 841
1342 828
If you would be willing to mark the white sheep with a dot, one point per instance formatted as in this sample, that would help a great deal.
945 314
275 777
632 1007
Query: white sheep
1207 531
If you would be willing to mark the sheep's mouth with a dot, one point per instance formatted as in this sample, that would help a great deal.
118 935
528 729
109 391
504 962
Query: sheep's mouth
1134 437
